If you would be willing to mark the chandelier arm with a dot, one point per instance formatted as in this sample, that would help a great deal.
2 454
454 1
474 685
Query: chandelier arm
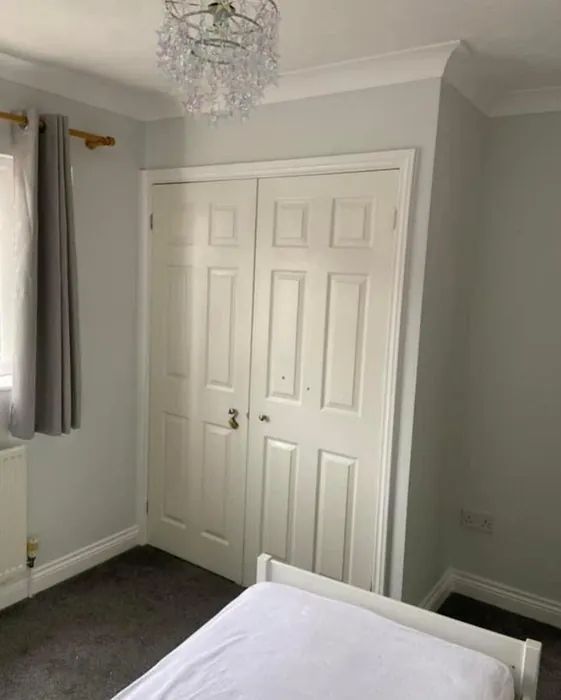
218 44
256 25
245 18
181 15
210 61
175 3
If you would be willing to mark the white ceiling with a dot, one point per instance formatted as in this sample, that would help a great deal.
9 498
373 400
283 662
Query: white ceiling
518 42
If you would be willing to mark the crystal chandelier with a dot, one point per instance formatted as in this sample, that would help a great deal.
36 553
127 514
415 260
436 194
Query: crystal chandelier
220 55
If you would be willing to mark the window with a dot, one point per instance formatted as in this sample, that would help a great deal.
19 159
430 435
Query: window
7 272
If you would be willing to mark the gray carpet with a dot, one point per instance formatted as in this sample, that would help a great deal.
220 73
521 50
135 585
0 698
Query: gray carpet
482 615
91 636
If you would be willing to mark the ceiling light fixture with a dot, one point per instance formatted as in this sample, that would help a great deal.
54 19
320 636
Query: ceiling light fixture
219 55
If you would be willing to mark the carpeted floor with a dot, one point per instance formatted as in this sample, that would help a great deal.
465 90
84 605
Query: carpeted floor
482 615
89 637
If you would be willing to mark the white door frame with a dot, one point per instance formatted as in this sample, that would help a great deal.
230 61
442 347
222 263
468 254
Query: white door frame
402 160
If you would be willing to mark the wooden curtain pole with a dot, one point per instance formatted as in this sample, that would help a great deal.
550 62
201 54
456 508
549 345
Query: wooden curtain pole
92 141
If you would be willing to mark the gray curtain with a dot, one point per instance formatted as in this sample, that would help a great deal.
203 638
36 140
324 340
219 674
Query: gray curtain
46 367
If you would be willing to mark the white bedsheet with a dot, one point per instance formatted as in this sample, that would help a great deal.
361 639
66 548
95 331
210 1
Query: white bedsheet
275 642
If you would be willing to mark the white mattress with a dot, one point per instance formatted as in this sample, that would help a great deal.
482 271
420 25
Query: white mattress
280 643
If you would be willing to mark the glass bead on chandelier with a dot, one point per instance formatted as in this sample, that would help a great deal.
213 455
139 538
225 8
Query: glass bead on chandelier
219 55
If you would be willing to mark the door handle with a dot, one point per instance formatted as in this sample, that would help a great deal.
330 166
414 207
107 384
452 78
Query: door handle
263 418
232 422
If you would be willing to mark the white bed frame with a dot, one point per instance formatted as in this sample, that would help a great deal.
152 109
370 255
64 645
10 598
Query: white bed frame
522 657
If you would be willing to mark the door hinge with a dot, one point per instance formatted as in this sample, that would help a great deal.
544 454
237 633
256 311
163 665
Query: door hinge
395 215
147 508
151 222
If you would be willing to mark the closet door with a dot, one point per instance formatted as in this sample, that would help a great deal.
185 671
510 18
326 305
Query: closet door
326 256
202 289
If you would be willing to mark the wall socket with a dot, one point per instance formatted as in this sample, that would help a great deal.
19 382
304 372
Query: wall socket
483 522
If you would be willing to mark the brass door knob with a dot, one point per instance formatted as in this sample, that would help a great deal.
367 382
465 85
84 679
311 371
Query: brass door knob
232 422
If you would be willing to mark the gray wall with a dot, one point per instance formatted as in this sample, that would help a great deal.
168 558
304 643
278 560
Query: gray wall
514 402
398 116
82 487
438 437
488 388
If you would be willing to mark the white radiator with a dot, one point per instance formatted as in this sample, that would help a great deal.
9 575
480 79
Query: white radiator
13 512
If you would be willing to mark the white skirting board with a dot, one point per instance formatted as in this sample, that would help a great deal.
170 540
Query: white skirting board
12 592
59 570
439 592
494 593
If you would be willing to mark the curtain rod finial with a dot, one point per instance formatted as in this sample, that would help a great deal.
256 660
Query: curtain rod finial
98 141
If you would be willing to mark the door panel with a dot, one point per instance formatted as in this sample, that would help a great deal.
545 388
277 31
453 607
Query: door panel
175 436
285 348
344 341
203 255
220 327
279 464
326 256
335 515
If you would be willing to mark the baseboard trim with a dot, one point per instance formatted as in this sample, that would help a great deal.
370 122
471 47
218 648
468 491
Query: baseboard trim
66 567
494 593
508 598
438 593
12 592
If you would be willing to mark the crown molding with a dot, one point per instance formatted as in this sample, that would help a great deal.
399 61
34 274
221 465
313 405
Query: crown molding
364 73
466 71
81 87
349 76
453 61
346 76
546 99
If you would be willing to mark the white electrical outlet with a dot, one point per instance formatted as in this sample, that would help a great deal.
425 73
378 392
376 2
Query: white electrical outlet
483 522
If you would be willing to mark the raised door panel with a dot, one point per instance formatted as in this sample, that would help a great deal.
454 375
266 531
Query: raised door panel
352 225
285 348
221 323
334 516
178 320
291 223
216 471
280 463
223 225
344 341
175 431
175 218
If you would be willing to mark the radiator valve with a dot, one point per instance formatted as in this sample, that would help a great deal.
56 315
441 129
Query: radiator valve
32 550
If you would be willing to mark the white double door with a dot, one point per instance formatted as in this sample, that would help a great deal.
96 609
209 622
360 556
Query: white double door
271 323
